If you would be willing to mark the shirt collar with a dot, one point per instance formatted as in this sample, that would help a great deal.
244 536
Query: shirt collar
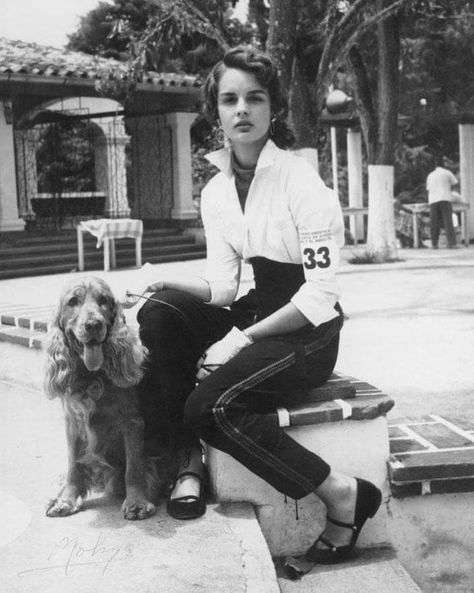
221 158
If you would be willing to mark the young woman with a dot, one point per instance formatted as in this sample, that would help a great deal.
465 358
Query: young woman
267 349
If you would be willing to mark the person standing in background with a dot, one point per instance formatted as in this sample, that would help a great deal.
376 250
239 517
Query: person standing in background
439 185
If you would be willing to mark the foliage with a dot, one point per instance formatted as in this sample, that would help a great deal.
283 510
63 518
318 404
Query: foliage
101 30
412 165
166 35
366 257
65 158
438 66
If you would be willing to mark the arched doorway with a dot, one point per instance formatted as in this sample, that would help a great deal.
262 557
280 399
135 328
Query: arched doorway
71 162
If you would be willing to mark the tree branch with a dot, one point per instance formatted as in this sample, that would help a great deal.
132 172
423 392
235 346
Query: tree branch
340 42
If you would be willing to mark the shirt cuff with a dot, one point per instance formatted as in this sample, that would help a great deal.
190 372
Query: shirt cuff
221 295
316 312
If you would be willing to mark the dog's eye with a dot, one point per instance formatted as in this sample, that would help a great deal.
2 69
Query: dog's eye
102 300
72 302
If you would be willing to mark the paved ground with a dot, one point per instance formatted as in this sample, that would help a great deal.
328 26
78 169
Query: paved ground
97 550
410 332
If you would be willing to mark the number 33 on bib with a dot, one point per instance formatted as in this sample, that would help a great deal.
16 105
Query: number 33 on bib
320 253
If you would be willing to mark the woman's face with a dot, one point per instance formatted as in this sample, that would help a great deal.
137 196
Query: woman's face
244 107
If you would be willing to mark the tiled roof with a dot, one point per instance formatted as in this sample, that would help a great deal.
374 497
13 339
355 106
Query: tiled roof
31 59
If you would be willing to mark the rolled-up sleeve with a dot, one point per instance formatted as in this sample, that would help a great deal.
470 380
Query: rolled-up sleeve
223 264
318 218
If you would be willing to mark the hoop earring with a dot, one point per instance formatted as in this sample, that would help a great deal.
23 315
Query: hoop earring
219 135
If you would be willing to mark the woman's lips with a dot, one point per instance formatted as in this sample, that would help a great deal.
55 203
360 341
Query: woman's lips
242 124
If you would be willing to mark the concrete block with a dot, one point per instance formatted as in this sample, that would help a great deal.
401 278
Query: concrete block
358 448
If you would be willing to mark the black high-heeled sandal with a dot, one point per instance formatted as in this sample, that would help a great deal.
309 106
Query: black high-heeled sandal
368 501
191 506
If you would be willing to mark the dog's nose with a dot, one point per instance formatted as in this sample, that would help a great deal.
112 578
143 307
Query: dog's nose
93 325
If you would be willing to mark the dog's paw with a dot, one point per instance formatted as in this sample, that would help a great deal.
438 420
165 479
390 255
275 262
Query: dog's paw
135 509
61 507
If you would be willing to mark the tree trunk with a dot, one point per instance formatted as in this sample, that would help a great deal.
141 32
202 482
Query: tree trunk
303 116
381 240
381 228
281 45
388 36
281 38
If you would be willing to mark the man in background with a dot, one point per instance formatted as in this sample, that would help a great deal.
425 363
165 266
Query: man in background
439 185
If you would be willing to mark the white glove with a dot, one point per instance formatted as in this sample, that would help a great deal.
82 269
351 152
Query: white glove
140 282
222 351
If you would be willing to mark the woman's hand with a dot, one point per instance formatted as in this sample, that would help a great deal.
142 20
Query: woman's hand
221 352
141 281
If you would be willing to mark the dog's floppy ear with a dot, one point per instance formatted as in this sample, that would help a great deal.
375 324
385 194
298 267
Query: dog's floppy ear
60 366
123 351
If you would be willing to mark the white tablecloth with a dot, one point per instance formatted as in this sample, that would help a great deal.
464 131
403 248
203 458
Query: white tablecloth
113 228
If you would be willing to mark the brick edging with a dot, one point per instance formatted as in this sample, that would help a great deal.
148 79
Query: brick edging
22 331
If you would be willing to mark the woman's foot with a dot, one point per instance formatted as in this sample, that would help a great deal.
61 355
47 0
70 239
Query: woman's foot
187 496
340 505
350 502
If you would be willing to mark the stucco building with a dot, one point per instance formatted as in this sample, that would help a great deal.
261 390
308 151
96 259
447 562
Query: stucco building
141 147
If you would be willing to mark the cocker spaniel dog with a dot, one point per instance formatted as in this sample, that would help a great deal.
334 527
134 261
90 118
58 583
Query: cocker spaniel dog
94 361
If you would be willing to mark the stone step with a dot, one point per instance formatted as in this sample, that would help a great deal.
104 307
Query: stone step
21 336
70 245
20 239
431 454
349 431
68 263
25 254
374 570
124 253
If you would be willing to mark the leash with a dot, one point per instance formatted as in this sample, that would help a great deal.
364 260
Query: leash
161 302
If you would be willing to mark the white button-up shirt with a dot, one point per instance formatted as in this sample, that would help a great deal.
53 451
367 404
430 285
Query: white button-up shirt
439 184
290 216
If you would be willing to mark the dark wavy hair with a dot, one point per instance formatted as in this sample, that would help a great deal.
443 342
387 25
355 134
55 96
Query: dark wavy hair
261 66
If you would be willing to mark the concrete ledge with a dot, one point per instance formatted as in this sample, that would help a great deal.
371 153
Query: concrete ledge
350 434
97 550
374 571
358 448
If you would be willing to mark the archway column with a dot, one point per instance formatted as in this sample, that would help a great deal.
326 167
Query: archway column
9 214
110 168
466 172
180 123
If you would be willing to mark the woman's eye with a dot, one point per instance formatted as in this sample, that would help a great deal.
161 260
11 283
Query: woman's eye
72 302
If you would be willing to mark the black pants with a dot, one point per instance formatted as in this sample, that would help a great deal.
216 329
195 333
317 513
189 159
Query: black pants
234 409
442 212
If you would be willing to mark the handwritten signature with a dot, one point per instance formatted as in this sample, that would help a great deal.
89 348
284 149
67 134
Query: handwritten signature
70 553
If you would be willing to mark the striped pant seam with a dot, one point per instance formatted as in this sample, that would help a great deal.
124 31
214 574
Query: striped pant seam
249 445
